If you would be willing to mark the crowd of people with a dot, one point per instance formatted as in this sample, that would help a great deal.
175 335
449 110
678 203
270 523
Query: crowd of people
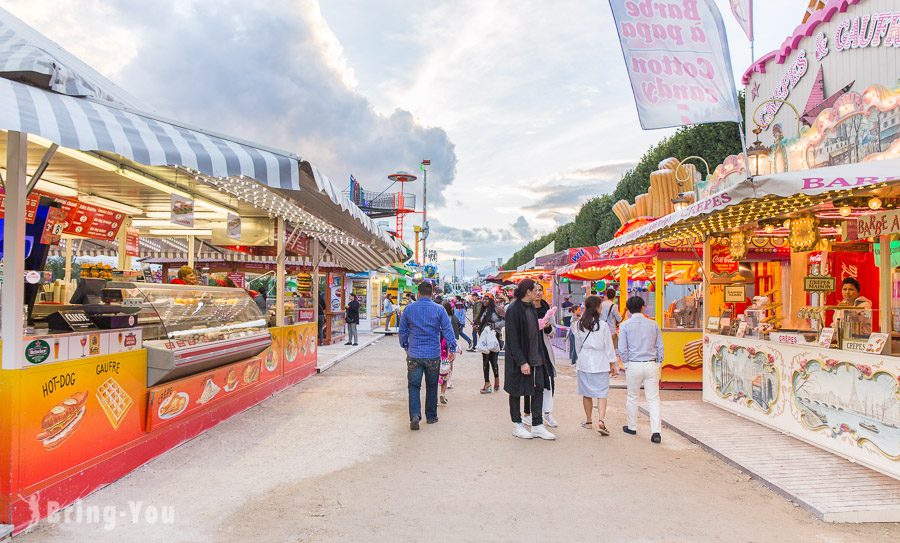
601 344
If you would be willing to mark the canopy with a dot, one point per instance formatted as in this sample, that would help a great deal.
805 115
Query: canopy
88 125
778 193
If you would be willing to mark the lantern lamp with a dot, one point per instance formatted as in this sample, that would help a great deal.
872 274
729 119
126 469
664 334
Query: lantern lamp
758 156
874 203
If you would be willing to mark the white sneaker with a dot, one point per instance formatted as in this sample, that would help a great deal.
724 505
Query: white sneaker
549 420
541 432
526 420
519 430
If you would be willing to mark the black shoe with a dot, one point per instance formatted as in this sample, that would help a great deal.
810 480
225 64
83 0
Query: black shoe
355 344
628 430
656 438
414 423
348 343
432 421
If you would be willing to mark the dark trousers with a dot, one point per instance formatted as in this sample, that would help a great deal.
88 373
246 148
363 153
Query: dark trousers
415 369
526 400
537 399
490 361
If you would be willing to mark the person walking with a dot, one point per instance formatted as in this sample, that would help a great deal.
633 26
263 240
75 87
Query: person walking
641 349
460 311
490 320
323 306
388 310
477 305
422 326
596 362
525 365
609 313
566 311
352 320
446 363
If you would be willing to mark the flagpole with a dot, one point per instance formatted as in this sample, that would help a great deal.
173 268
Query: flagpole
752 31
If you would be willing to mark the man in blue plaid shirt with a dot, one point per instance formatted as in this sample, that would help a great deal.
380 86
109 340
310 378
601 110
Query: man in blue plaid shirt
422 325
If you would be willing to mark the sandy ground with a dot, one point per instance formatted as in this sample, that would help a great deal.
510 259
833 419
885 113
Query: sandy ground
333 459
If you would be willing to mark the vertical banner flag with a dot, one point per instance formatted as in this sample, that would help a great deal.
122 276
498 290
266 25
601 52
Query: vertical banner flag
676 53
182 211
743 12
233 226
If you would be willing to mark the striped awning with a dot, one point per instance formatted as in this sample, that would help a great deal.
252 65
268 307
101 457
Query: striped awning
87 124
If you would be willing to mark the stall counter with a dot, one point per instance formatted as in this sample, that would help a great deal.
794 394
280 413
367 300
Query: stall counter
682 367
845 402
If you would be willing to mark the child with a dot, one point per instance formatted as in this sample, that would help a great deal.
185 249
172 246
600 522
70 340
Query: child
445 371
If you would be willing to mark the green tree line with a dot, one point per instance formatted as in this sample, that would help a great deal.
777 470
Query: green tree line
596 223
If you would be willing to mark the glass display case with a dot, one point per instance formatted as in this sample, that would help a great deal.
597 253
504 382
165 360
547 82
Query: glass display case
189 328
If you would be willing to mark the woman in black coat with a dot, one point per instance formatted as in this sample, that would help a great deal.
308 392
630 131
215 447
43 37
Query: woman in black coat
525 347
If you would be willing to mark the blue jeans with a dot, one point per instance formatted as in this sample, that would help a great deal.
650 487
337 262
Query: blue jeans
465 337
415 368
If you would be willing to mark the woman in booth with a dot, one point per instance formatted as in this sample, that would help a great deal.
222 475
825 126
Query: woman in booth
850 288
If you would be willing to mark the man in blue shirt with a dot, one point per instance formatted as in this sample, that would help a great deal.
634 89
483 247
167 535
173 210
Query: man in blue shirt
422 325
641 349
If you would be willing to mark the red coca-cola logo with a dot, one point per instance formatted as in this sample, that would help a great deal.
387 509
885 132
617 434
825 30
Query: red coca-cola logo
722 263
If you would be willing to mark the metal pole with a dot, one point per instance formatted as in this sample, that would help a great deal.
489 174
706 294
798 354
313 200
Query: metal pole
425 212
13 289
67 273
190 255
279 271
454 273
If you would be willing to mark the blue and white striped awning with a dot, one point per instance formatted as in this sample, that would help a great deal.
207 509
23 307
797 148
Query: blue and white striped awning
89 125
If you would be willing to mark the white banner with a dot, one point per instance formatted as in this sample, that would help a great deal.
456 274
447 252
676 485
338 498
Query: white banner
743 13
676 54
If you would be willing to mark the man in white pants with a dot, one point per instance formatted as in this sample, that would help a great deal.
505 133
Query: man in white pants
641 349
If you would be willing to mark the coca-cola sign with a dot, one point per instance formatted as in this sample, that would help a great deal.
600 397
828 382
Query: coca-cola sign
722 263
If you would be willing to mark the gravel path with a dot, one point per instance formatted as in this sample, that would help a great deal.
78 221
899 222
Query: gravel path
333 459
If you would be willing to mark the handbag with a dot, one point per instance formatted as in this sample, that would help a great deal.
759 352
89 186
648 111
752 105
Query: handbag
445 367
487 342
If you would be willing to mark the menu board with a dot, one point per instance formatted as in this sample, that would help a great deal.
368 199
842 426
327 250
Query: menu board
90 221
31 205
133 242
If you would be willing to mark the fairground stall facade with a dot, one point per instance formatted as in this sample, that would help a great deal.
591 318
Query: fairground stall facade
814 352
104 372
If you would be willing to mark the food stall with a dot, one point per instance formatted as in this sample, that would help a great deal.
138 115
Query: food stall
676 305
100 378
815 355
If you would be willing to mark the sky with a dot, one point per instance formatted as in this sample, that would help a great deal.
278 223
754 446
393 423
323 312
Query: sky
523 106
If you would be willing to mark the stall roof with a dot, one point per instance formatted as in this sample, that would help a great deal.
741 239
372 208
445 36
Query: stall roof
763 197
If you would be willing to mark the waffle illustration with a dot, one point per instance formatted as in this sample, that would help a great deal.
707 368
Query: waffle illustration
114 401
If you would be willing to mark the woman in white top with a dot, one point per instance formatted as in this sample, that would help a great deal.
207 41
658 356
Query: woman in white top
596 361
387 311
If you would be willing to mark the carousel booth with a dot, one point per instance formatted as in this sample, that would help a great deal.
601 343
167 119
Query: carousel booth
106 368
805 338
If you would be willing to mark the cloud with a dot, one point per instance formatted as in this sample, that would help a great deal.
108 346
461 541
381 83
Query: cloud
270 72
479 243
559 198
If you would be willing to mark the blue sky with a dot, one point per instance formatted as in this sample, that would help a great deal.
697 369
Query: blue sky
523 106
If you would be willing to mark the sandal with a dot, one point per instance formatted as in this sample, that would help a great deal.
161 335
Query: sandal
486 389
586 425
602 429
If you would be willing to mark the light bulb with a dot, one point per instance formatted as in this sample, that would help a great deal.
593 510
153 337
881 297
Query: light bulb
874 203
770 228
845 211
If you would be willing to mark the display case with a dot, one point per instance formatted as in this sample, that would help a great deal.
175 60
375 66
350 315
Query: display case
189 329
